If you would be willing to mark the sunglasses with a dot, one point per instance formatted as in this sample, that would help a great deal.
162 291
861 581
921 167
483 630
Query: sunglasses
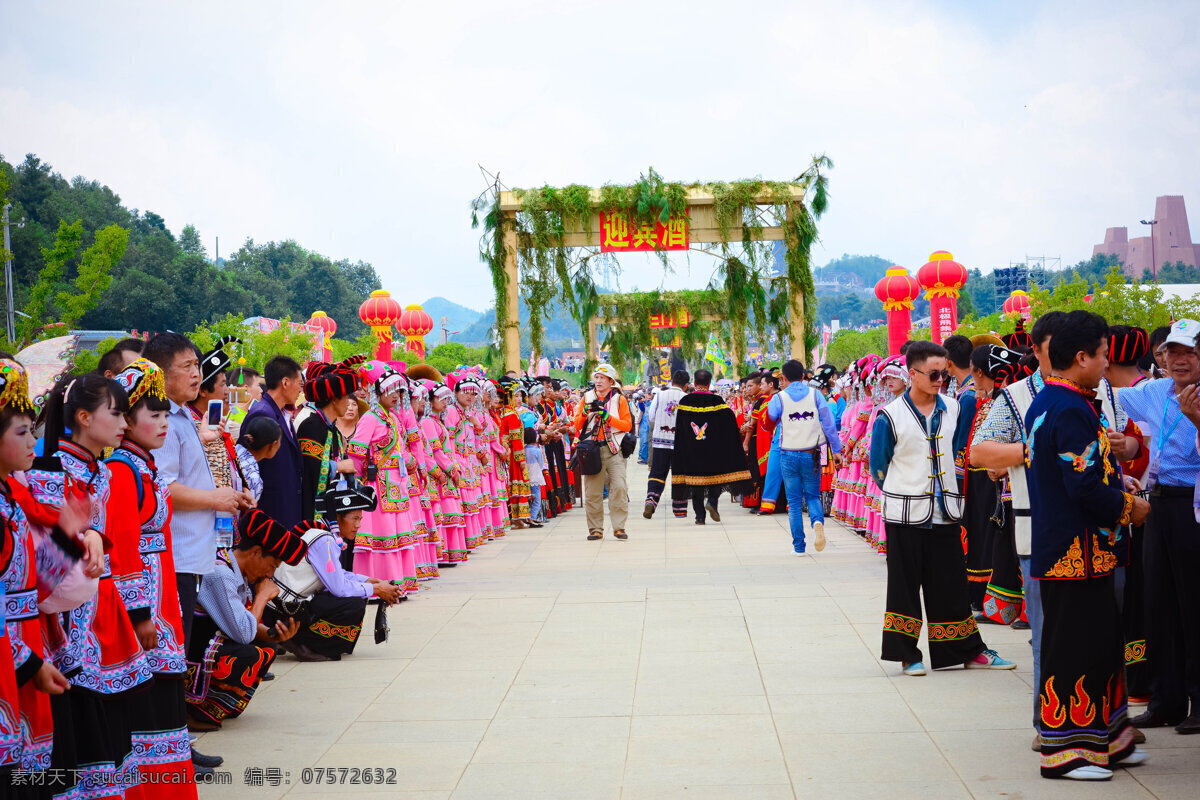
936 376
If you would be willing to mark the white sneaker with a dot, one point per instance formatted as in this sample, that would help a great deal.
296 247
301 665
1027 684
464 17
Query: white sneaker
1089 773
819 536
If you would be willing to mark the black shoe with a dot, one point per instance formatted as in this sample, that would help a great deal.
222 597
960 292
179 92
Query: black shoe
699 521
268 676
648 510
1189 725
198 770
201 760
1020 625
1154 719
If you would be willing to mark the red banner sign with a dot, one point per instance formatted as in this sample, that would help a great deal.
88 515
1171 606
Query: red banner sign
618 236
680 320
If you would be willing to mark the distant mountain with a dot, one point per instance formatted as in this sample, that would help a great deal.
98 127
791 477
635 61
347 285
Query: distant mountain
853 271
458 318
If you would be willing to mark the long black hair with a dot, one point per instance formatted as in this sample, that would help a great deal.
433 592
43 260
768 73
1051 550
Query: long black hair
75 393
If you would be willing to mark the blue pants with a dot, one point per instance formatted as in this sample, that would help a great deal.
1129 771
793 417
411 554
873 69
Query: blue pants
535 503
772 481
1033 612
644 437
801 478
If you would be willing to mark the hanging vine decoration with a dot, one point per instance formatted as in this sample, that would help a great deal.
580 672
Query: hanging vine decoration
628 335
753 298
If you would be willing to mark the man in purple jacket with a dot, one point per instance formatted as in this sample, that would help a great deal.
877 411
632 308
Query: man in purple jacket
281 498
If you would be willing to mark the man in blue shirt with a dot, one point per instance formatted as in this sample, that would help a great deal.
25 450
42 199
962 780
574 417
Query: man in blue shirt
805 424
1171 548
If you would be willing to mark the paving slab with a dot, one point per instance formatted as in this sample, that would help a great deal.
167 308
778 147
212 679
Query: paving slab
688 662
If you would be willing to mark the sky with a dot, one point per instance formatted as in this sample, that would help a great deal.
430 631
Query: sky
990 129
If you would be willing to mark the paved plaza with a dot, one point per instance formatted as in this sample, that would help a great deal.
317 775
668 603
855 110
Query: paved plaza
686 662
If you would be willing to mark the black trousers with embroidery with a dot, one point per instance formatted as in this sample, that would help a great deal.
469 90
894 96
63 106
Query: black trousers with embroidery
982 493
929 562
660 466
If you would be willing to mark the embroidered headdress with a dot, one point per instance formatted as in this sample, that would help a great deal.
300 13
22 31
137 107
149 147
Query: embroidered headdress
142 378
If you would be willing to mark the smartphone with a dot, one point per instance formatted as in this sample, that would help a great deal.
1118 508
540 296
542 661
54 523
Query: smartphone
216 409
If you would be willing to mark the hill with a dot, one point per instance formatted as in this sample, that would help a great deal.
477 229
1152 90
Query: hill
860 272
458 317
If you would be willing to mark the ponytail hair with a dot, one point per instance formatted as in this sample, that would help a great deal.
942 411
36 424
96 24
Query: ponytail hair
258 433
75 393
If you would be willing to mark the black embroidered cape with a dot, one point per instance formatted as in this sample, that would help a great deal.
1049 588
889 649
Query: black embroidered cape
708 444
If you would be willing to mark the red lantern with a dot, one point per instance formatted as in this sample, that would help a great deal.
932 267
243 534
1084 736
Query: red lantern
328 328
414 324
942 277
381 312
1017 305
897 290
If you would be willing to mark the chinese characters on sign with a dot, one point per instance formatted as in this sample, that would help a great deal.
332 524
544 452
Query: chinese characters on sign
672 320
618 236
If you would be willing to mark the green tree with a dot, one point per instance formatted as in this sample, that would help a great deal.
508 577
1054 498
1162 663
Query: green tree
94 275
849 345
190 243
37 310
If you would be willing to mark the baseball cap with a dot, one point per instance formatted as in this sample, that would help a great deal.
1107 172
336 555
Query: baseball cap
1183 332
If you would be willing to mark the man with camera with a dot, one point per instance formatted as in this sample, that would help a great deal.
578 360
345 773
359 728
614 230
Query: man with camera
603 420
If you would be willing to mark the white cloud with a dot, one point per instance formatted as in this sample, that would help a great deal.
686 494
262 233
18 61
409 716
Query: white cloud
356 128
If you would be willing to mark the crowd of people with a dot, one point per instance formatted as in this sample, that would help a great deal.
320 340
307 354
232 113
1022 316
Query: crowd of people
174 523
1047 480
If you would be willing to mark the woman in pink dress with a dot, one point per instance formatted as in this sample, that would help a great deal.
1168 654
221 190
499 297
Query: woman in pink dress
475 415
462 433
422 491
892 381
448 505
497 460
385 546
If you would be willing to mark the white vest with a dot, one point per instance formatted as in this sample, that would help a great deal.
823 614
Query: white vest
666 408
300 582
800 427
1019 397
921 463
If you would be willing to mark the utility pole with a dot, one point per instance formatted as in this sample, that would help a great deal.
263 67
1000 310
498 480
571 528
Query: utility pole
217 259
445 330
9 319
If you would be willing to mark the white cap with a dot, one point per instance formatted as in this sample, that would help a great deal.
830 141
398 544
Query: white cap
608 371
1183 332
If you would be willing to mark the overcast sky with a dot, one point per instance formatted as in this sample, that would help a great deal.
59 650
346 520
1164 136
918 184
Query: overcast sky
991 130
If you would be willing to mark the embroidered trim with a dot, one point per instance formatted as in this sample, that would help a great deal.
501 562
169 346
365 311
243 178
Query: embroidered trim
898 623
1071 565
952 631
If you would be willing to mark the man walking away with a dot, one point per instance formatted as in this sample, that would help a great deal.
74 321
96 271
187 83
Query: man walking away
662 413
806 424
707 453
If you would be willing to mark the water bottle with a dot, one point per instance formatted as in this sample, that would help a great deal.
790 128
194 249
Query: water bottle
224 527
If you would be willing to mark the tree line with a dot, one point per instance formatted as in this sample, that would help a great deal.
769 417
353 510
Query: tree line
81 246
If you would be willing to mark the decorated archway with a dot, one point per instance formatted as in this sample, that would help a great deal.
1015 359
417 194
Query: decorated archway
542 245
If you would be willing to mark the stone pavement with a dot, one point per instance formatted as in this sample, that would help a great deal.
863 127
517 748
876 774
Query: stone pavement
686 662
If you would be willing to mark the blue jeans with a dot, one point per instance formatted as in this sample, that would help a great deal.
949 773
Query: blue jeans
644 437
535 503
1033 611
773 479
801 479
